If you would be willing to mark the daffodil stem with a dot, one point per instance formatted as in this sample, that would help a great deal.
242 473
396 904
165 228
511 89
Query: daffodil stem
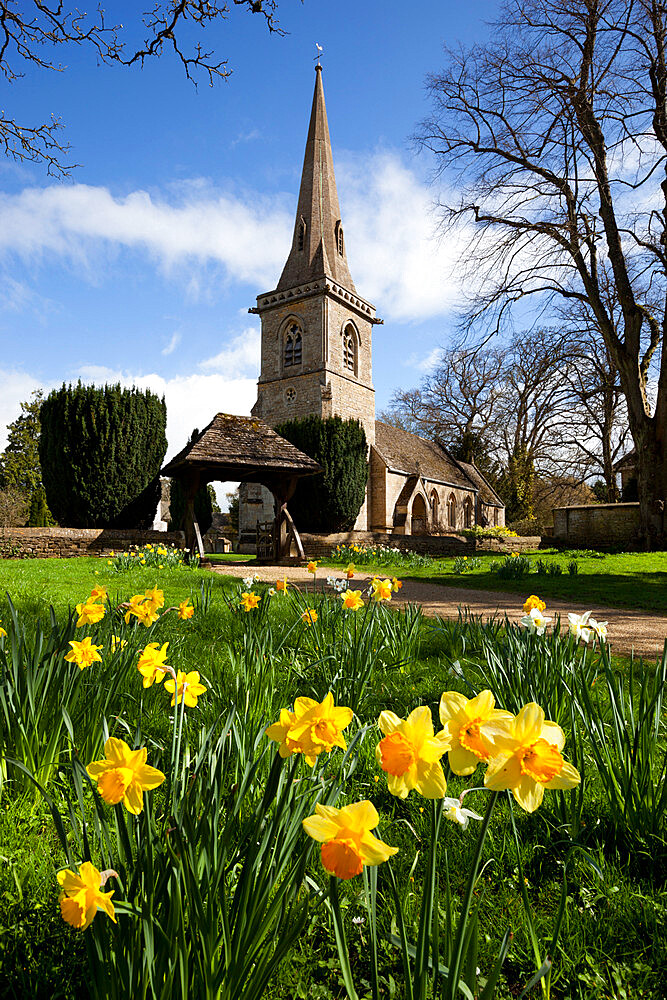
341 943
452 988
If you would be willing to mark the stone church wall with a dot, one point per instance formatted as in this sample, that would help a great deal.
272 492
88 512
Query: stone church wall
320 546
61 543
598 526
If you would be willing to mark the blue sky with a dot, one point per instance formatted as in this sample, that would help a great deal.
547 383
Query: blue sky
143 264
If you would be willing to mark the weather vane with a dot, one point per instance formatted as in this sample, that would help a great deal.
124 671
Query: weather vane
320 50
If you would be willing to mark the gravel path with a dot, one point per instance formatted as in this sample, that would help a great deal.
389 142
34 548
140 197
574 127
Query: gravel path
643 631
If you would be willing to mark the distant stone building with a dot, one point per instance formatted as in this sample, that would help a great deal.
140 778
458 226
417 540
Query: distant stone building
316 337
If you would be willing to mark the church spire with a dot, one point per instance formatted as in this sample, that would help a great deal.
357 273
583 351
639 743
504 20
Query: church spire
318 243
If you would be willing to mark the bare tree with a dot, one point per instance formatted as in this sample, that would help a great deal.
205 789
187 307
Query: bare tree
558 129
33 31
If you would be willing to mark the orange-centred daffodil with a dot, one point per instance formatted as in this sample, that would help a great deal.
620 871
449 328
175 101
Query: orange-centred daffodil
352 600
346 838
472 724
89 613
188 686
83 653
528 759
250 601
124 775
309 617
382 589
312 566
81 898
312 728
350 570
152 663
410 754
98 593
396 584
281 586
185 610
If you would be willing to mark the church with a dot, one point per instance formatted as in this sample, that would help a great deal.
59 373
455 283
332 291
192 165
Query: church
316 358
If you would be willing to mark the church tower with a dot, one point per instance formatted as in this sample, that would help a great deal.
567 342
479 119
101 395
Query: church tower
316 329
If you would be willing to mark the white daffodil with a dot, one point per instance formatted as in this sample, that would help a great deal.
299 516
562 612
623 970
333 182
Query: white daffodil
247 582
599 628
272 591
454 811
579 626
535 621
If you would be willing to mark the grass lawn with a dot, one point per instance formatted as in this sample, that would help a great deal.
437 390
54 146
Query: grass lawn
613 939
618 580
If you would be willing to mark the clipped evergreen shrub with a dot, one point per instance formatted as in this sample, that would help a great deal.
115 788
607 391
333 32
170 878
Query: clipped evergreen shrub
101 449
331 500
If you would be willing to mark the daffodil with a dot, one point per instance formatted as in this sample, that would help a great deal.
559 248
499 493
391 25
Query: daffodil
352 600
454 811
83 653
350 570
98 593
318 726
152 663
89 613
81 898
396 584
147 613
599 629
410 754
535 622
132 605
281 586
185 610
156 597
579 626
533 602
280 732
528 759
382 589
472 725
250 601
312 567
124 775
309 616
346 838
187 687
3 633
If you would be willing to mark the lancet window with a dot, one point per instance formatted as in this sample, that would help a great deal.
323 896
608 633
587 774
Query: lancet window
293 346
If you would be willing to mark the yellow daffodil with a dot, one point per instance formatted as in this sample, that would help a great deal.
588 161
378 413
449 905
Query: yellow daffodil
117 643
312 728
188 686
346 838
156 597
185 610
81 898
382 589
410 754
152 663
98 593
250 601
352 600
533 602
350 570
135 601
146 613
3 633
528 759
84 653
312 567
281 586
309 616
124 775
396 584
472 725
89 613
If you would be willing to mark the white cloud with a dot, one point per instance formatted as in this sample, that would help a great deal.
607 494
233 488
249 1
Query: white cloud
425 363
15 388
241 358
396 257
172 345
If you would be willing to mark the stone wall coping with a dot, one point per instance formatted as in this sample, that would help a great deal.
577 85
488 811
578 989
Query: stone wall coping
596 506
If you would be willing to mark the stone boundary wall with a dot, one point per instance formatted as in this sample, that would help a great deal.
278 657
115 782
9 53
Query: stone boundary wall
320 546
598 526
61 543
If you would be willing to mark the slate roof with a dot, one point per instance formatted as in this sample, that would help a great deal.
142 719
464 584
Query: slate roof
416 455
486 492
241 445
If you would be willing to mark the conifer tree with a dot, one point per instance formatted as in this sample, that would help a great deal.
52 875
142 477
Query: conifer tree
101 449
331 500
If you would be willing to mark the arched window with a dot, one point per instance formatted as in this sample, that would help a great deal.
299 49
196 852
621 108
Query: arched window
338 234
467 512
434 502
301 234
451 511
349 350
293 353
